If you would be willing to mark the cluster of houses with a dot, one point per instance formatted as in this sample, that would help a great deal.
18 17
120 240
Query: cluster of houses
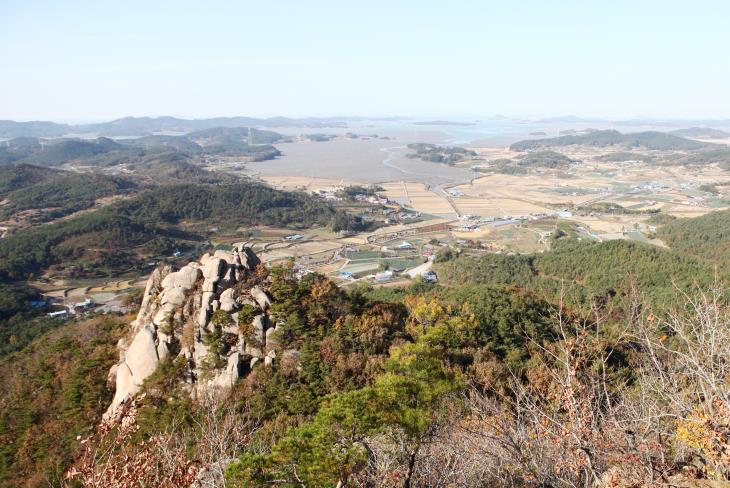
694 201
387 275
329 193
470 223
374 199
335 193
393 211
403 249
73 309
468 227
650 186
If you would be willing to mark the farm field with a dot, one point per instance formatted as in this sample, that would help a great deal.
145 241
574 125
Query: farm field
305 183
419 197
606 200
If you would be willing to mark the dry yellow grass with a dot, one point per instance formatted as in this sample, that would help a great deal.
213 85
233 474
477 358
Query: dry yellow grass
481 234
494 152
427 201
609 224
497 207
303 249
689 211
305 183
329 268
497 195
418 196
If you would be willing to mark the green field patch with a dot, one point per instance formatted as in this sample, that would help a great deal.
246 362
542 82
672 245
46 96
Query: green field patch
403 263
364 255
361 267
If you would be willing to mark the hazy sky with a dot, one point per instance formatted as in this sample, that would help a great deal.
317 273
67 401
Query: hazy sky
82 61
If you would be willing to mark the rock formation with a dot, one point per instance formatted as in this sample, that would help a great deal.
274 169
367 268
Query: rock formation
212 313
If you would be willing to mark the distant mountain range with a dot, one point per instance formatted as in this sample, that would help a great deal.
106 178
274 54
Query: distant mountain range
141 126
103 151
701 132
638 121
145 126
568 119
444 122
648 140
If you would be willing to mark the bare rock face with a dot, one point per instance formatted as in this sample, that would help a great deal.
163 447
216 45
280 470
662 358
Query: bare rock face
261 298
140 361
179 311
153 288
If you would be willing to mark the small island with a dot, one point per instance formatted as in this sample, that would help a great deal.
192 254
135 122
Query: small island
441 154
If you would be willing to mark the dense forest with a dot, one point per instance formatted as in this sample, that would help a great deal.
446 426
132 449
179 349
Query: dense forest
53 392
586 271
25 187
441 154
107 238
173 167
476 385
720 156
20 322
706 237
545 159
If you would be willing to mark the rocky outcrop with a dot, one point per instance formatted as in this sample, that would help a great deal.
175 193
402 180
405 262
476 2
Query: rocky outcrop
193 313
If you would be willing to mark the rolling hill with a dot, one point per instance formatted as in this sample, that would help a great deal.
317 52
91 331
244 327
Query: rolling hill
142 126
10 129
218 141
113 237
54 153
706 237
586 270
647 140
53 193
702 132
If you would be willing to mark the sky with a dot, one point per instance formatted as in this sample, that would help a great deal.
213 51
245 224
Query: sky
79 61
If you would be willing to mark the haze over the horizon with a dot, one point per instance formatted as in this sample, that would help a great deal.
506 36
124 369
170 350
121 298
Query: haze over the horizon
82 60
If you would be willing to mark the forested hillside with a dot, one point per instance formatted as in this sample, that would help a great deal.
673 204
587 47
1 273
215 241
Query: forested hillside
105 152
706 237
22 176
20 322
54 194
585 270
54 391
462 386
54 153
170 167
109 238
